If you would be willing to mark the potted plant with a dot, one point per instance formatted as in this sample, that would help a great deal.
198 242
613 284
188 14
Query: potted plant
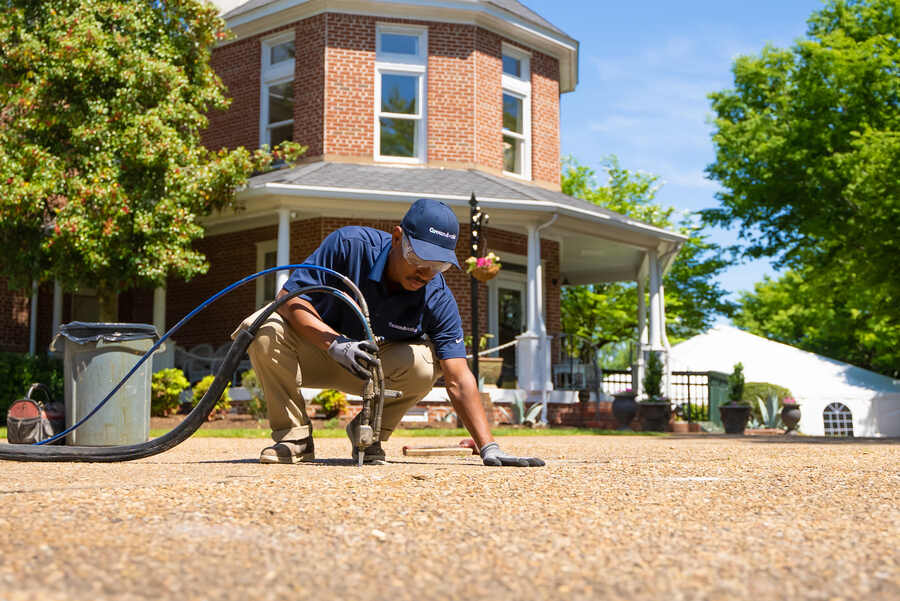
624 408
790 415
489 368
680 425
736 413
655 410
483 268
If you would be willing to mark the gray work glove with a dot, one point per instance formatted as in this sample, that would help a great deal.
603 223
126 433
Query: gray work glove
492 455
356 356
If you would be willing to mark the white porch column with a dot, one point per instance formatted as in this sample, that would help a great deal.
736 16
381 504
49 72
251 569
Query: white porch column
32 320
667 364
534 319
637 370
164 357
283 253
57 307
533 349
159 309
655 340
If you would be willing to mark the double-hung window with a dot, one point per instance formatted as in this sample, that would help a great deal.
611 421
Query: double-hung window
277 98
516 112
401 59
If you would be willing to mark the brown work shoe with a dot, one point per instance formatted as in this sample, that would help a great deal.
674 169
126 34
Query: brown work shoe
289 451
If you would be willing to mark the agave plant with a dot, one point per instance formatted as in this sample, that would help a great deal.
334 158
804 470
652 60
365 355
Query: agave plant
768 410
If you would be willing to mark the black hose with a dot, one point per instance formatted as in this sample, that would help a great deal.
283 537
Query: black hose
192 422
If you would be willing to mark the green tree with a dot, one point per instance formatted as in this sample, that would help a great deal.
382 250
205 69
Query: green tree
830 320
808 149
602 314
102 174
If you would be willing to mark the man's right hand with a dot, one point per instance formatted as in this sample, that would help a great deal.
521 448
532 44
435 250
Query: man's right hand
356 356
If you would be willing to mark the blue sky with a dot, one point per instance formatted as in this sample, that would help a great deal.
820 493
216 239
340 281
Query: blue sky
645 70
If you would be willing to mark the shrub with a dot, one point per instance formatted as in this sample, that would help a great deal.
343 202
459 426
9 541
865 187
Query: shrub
165 391
224 402
697 413
653 377
19 370
333 402
257 403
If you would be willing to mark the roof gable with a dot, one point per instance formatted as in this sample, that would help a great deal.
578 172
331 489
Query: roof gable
233 8
509 18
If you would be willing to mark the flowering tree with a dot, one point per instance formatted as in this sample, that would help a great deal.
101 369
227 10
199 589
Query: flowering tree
102 174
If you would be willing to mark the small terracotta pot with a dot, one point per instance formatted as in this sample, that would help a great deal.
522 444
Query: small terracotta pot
680 427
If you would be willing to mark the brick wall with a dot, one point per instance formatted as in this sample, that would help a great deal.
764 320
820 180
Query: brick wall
451 93
488 100
545 165
334 88
15 307
350 85
309 85
237 65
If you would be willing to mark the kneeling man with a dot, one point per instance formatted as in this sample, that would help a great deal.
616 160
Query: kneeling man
317 341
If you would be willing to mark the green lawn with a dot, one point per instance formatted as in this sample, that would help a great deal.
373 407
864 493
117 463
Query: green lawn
423 432
417 432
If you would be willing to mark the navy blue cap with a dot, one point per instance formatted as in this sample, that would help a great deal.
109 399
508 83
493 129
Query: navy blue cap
432 230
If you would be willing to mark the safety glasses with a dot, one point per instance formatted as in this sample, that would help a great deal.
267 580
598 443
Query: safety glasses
421 264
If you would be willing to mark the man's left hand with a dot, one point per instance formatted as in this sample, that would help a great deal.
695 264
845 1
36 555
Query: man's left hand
492 455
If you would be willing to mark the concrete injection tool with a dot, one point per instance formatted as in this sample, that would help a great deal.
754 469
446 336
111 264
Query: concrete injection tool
366 434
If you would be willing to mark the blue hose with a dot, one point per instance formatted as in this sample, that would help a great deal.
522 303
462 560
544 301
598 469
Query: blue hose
191 315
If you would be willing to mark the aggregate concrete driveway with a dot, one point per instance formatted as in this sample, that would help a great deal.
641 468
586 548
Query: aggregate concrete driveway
610 517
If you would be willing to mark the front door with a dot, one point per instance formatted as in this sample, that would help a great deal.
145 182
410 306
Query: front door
507 320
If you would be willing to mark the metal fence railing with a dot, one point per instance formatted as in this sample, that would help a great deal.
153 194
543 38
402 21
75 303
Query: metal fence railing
698 393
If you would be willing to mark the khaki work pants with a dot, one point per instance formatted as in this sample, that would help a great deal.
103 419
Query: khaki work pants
284 361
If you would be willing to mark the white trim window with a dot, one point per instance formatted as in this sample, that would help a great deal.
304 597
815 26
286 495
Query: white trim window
516 84
401 59
276 119
266 257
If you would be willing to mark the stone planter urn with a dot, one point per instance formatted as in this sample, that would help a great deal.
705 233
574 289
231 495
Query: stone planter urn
655 415
624 408
790 417
734 417
489 369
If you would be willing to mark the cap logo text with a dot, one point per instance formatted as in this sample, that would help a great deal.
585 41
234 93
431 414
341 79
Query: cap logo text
440 233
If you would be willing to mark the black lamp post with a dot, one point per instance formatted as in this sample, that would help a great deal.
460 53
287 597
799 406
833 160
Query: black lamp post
477 221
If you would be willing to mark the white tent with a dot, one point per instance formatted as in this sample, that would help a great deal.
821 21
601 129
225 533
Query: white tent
818 383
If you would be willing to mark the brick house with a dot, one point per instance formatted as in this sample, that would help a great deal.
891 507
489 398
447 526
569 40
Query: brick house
396 100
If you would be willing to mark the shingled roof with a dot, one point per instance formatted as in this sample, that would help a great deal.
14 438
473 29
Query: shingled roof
435 182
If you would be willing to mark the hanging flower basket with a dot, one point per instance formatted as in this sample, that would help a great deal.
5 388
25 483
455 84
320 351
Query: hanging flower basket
483 268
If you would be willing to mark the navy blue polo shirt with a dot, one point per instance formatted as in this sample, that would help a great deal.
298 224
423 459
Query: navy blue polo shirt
361 253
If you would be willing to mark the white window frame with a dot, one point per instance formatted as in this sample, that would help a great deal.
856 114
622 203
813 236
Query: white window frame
519 87
403 64
262 249
272 75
